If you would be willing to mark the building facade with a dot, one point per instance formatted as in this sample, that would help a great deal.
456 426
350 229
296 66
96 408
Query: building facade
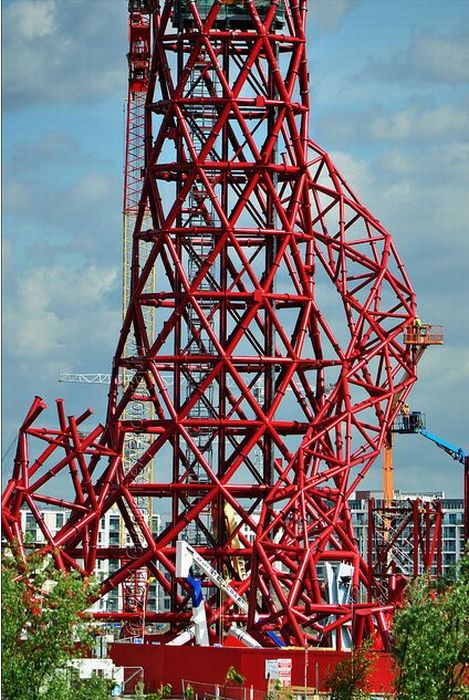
111 534
452 526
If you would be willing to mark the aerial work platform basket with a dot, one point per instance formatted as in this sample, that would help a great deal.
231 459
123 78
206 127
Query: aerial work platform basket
411 422
424 334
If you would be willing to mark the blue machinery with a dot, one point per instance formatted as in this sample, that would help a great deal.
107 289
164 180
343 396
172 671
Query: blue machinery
414 422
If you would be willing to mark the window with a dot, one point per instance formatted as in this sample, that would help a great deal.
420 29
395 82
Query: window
112 604
113 538
59 520
114 523
30 527
454 518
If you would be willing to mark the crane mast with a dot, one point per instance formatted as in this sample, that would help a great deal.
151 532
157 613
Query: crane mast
419 336
135 588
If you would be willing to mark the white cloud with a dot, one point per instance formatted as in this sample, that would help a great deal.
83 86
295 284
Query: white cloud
419 124
327 14
423 190
93 187
420 196
63 51
431 58
33 198
415 124
355 171
51 147
442 58
81 218
54 311
32 19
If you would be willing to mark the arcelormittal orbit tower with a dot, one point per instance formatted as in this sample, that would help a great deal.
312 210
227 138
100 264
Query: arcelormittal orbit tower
261 361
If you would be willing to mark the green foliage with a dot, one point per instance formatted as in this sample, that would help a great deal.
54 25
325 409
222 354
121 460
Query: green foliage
348 680
431 638
278 691
94 688
189 692
234 676
164 691
139 689
41 626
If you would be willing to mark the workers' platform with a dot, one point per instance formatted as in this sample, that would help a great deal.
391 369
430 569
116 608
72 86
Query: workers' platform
424 334
414 422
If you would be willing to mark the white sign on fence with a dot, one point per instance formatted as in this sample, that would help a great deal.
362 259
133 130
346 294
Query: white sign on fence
279 669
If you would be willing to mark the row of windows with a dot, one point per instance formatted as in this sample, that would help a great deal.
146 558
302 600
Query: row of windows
31 520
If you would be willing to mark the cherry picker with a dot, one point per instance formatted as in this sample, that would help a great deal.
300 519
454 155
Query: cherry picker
414 422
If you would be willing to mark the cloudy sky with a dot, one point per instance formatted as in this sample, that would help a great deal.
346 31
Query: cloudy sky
390 101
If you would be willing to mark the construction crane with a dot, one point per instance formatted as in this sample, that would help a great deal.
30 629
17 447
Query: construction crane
138 407
415 422
80 378
418 336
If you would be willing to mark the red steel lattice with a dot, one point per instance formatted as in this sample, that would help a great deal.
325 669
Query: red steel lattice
274 364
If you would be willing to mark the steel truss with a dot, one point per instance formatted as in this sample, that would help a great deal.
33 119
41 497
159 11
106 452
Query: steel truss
278 313
404 540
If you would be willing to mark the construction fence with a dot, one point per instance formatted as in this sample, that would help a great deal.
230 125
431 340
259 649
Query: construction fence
192 690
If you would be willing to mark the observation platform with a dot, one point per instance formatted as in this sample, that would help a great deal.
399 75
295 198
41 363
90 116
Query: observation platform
231 15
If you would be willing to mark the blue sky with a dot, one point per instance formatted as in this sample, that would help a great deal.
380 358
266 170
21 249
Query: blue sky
389 95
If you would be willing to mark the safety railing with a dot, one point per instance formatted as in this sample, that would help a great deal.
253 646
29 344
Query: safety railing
424 334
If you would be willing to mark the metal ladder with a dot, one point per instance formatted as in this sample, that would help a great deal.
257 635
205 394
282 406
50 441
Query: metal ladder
200 214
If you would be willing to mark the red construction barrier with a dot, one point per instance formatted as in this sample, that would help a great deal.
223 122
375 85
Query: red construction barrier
170 664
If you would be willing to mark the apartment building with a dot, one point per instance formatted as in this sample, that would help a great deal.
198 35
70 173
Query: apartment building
453 524
113 534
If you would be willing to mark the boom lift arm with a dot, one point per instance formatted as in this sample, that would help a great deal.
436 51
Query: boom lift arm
414 422
458 454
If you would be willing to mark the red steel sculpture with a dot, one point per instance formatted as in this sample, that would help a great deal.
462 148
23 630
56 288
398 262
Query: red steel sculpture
270 349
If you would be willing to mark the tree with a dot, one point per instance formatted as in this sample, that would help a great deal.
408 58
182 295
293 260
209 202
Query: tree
348 680
431 638
41 627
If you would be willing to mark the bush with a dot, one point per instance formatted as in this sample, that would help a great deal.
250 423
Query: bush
348 680
41 625
431 638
